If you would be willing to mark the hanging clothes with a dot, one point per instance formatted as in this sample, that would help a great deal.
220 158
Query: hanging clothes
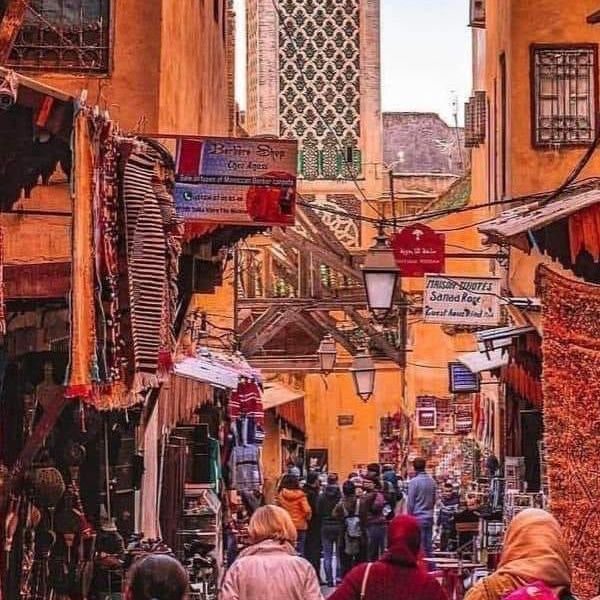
246 401
245 468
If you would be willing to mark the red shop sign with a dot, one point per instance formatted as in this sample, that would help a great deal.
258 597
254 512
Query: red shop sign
418 249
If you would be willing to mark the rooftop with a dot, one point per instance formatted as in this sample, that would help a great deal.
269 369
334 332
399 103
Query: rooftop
422 142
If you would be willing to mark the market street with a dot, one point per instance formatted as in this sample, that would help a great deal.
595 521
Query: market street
299 300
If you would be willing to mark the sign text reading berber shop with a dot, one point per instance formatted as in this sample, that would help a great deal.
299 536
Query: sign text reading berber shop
456 300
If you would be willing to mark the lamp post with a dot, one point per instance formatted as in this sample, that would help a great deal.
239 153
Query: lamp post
380 274
363 374
327 354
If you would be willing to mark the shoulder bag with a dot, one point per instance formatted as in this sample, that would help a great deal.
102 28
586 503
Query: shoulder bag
363 588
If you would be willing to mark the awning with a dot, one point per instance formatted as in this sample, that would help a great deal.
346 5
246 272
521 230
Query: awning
478 362
215 368
514 224
277 394
500 337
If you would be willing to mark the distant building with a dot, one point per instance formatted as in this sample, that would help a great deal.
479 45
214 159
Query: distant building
425 155
313 75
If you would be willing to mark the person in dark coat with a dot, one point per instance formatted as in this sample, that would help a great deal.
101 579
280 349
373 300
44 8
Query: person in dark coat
353 548
373 518
447 508
398 574
312 546
331 528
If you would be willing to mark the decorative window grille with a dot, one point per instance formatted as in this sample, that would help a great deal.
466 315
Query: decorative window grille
564 94
475 120
64 36
477 13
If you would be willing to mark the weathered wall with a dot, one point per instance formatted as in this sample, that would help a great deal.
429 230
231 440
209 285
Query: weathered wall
193 79
131 91
545 21
169 73
327 398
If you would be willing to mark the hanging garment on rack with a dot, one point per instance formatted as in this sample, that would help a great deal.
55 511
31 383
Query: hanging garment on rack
246 468
246 401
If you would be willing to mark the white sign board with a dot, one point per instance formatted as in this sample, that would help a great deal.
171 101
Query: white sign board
456 300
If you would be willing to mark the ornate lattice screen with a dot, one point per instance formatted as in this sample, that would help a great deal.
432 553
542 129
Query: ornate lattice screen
319 84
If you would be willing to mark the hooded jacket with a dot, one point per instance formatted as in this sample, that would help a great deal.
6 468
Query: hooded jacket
270 569
398 574
327 502
297 506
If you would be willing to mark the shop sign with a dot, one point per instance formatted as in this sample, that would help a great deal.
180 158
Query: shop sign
456 300
236 181
418 249
345 420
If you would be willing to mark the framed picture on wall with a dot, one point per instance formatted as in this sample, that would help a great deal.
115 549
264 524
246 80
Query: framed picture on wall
317 459
426 418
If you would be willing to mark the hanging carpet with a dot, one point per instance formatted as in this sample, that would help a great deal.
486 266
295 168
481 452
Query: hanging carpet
571 385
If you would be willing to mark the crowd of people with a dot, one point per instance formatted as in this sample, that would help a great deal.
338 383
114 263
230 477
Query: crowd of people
370 543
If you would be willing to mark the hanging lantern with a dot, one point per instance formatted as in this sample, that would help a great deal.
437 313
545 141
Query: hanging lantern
363 374
380 274
327 354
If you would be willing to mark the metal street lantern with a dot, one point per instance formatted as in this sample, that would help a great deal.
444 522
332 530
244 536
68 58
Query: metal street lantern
363 374
380 274
327 354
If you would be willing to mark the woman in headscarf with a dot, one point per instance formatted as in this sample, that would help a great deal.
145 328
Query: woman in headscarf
398 574
534 550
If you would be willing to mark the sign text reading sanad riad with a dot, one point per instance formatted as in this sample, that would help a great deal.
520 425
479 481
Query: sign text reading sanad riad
239 181
456 300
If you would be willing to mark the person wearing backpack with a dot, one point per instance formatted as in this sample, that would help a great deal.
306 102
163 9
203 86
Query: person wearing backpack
347 512
535 555
373 518
397 575
331 528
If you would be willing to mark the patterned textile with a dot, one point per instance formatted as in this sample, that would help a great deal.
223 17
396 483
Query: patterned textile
245 468
83 326
126 247
153 240
110 356
571 351
246 401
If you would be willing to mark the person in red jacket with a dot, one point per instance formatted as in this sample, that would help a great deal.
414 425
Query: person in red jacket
398 575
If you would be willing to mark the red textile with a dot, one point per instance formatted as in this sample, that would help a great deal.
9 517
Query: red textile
584 232
246 402
398 575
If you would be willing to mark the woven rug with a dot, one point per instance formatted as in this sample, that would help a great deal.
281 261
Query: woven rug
83 326
146 250
571 382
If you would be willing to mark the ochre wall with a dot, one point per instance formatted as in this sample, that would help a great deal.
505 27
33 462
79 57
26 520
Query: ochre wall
131 91
327 398
169 72
193 70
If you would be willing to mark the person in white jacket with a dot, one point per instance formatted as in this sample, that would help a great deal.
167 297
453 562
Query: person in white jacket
270 567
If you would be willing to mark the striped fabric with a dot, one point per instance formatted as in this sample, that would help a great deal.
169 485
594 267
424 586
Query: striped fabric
147 262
